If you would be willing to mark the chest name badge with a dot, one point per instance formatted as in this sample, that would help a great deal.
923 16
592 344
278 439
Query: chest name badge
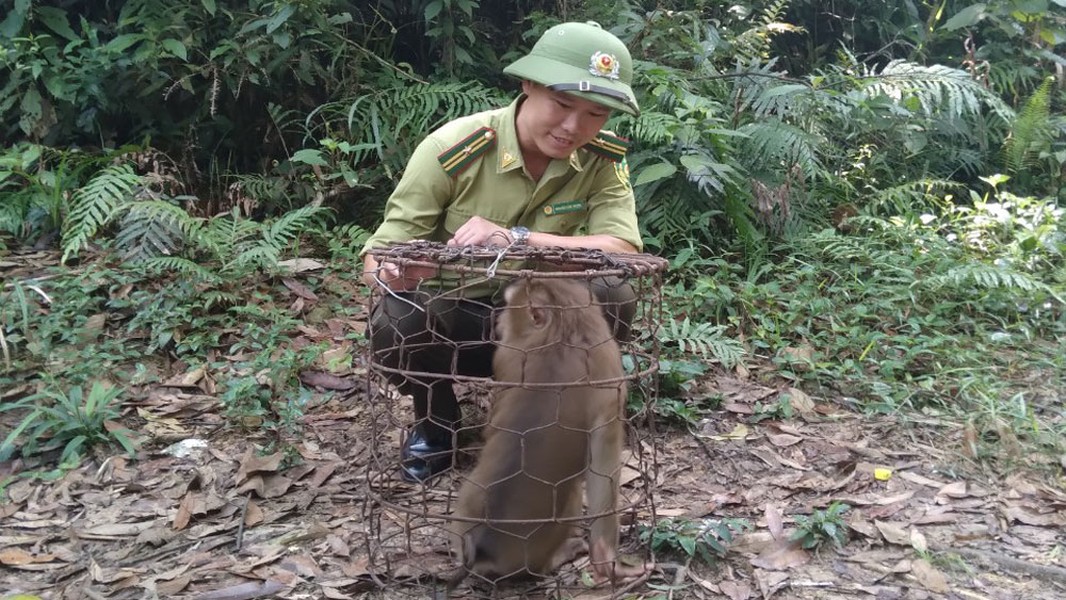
561 208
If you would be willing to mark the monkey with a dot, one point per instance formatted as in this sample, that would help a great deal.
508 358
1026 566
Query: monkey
551 427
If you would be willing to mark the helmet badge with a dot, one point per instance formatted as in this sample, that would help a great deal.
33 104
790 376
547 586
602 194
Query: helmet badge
604 65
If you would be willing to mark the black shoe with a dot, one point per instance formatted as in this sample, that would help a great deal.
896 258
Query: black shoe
422 458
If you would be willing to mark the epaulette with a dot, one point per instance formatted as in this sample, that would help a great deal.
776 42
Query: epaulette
462 155
611 147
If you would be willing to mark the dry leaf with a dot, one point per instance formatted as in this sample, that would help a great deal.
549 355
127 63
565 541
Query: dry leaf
774 521
969 441
299 265
784 440
800 401
299 289
1031 517
250 463
244 591
783 554
165 589
16 557
918 541
919 479
893 533
930 578
735 590
952 490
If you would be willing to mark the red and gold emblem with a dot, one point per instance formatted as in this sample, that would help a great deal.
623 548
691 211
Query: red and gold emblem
604 65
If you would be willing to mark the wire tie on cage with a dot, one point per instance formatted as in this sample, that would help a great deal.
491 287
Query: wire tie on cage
392 293
491 271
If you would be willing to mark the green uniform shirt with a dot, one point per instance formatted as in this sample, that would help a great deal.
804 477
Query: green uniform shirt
586 194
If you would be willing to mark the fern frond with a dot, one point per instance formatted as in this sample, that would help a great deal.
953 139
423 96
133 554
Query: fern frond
703 338
937 89
94 204
279 232
258 256
1031 131
988 277
222 233
152 228
910 197
399 116
140 238
176 264
772 141
654 129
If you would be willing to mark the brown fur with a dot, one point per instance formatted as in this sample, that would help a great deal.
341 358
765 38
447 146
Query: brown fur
543 442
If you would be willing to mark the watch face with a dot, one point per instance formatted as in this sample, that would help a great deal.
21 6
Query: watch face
520 234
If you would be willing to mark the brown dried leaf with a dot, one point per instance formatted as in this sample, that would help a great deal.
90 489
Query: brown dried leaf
356 568
783 440
244 591
919 479
299 289
955 489
115 530
327 381
322 473
16 557
188 379
783 554
267 486
800 401
299 265
929 577
250 463
253 515
738 408
184 514
918 541
1028 516
165 589
735 590
337 545
894 533
774 521
969 441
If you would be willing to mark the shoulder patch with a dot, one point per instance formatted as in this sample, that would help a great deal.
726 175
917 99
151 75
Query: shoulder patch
460 156
611 147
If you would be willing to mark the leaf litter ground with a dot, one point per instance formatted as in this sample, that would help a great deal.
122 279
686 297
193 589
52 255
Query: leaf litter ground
168 527
225 522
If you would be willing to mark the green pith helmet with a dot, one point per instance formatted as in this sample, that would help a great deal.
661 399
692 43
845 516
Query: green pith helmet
584 60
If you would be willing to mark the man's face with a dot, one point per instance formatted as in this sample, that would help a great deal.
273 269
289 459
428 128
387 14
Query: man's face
555 123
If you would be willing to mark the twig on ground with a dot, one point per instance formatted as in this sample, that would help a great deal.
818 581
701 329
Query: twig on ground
240 525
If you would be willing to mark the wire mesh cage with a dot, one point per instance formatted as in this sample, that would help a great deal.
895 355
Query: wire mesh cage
477 480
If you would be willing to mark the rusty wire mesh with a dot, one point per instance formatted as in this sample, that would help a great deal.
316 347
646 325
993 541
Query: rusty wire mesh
435 345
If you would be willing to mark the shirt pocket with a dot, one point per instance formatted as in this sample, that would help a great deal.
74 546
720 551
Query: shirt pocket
566 223
454 217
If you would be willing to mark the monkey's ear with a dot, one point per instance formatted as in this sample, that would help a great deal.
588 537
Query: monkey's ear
539 315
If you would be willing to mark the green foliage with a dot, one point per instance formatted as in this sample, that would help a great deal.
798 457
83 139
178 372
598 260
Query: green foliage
95 204
703 539
35 182
69 420
822 526
1031 133
703 338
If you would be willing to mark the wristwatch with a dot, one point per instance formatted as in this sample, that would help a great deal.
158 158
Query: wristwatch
520 235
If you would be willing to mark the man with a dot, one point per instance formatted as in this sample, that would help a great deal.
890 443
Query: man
539 172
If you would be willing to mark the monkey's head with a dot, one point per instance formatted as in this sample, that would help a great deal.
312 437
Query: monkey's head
545 310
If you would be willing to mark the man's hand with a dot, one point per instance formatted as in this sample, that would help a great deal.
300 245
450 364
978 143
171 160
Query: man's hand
393 276
480 232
